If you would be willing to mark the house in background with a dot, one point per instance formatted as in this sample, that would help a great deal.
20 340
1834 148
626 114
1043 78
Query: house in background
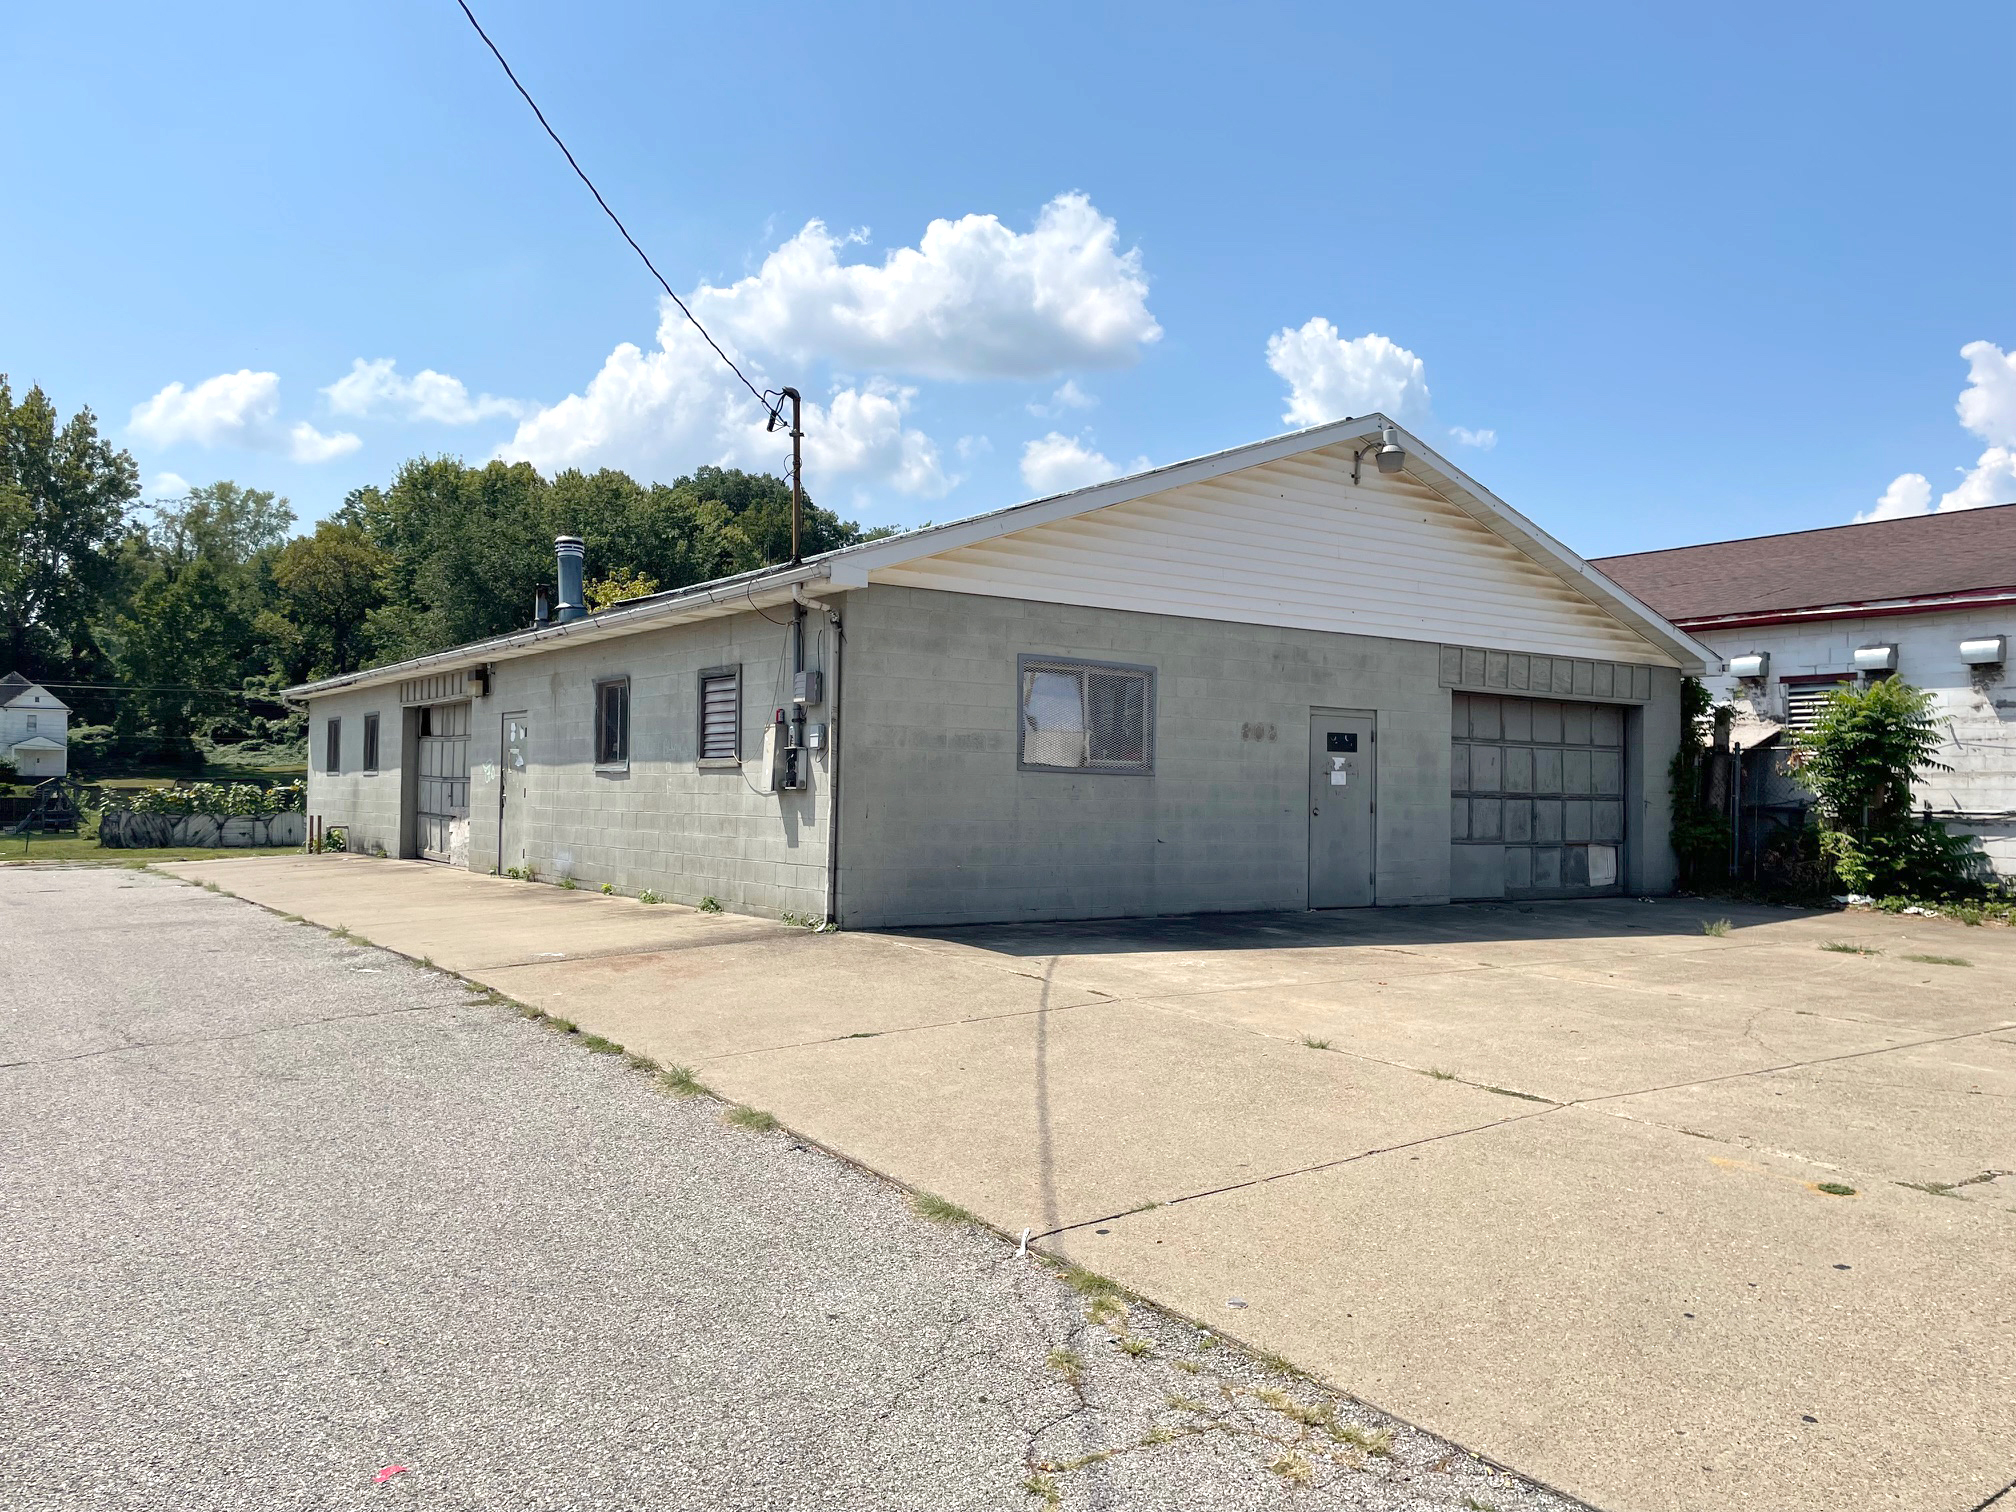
34 729
1324 670
1930 599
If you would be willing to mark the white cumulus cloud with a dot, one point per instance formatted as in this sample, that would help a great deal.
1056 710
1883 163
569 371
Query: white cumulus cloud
1057 463
238 409
1330 376
663 412
1483 440
1068 396
973 299
165 485
1908 494
1987 407
377 388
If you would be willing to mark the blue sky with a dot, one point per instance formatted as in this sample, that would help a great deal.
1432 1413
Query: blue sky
1697 273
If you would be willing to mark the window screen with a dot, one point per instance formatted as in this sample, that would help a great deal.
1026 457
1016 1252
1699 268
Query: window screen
721 714
1086 716
332 754
370 742
612 723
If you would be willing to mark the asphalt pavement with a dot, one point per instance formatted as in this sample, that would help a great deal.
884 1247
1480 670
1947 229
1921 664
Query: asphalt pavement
287 1221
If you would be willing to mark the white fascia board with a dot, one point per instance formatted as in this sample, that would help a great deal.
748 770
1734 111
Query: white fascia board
851 566
756 590
1467 494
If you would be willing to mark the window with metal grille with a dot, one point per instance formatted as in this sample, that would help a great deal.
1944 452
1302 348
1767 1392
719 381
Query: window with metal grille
1086 716
721 714
612 722
332 750
1805 698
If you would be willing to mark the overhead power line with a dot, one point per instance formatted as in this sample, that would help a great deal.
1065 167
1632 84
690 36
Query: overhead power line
761 398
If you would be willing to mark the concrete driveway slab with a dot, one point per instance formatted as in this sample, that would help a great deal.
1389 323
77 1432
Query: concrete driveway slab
1052 1118
1520 1029
1633 1315
1930 1115
789 988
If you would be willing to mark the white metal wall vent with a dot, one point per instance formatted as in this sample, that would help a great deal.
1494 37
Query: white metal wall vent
1875 659
1754 667
1985 652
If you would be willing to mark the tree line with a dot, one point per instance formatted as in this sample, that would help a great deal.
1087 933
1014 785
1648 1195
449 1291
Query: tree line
174 626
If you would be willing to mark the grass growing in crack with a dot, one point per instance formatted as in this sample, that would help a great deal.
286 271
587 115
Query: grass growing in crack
1044 1486
1183 1403
1715 928
1471 1504
560 1025
1188 1367
1370 1440
710 904
1439 1074
1314 1043
1939 960
1066 1363
1294 1469
1134 1346
602 1046
680 1081
608 889
638 1062
1107 1308
1835 1189
1934 1189
648 896
569 883
1849 947
1522 1096
1160 1434
937 1209
753 1119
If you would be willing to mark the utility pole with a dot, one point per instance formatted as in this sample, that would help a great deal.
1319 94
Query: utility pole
795 774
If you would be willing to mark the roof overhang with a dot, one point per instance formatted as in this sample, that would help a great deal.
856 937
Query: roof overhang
855 566
38 743
1940 603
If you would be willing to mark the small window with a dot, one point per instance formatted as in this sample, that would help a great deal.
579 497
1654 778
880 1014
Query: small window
721 714
31 724
332 757
612 723
1087 716
370 742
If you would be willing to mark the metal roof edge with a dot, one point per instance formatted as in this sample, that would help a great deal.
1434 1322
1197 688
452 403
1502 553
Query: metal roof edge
722 596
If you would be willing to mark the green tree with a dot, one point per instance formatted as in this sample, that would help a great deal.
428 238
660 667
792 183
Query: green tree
1700 831
1859 759
64 497
329 584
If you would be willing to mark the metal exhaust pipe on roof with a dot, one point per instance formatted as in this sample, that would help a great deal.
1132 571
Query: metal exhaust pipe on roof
570 605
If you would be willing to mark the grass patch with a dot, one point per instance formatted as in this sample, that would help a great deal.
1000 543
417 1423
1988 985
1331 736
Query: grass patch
1134 1346
1835 1189
1314 1043
648 896
1849 947
1522 1096
1294 1469
568 883
753 1119
602 1046
1066 1363
608 889
1715 928
1368 1440
1107 1308
710 904
1044 1486
680 1081
1471 1504
1939 960
638 1062
937 1209
1088 1284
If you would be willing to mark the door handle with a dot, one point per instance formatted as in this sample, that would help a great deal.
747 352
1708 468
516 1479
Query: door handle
1314 812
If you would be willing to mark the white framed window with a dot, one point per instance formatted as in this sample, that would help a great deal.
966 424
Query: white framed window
720 734
1085 716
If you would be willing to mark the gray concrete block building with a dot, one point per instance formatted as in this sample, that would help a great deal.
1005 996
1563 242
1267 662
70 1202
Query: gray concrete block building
1326 670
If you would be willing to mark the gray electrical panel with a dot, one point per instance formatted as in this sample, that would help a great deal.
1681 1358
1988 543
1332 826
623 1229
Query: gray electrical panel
807 688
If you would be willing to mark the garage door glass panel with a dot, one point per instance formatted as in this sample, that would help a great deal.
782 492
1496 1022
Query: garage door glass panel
1536 788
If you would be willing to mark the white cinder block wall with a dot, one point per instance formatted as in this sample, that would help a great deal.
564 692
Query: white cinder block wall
365 803
1978 795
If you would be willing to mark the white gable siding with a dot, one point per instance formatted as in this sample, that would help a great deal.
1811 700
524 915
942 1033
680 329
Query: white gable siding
1295 543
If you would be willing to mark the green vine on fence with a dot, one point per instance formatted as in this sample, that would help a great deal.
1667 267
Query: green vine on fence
233 800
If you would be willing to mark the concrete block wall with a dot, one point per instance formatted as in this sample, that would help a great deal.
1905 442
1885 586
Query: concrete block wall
938 825
665 822
366 803
1979 711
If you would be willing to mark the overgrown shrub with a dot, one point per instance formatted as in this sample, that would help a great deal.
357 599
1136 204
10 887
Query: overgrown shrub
1859 759
1700 831
250 800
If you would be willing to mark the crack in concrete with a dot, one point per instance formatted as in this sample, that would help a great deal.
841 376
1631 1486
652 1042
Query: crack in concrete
215 1039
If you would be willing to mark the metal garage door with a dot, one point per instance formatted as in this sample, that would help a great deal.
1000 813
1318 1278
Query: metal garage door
1536 797
441 802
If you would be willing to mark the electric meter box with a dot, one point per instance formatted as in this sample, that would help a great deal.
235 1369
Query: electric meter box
807 687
